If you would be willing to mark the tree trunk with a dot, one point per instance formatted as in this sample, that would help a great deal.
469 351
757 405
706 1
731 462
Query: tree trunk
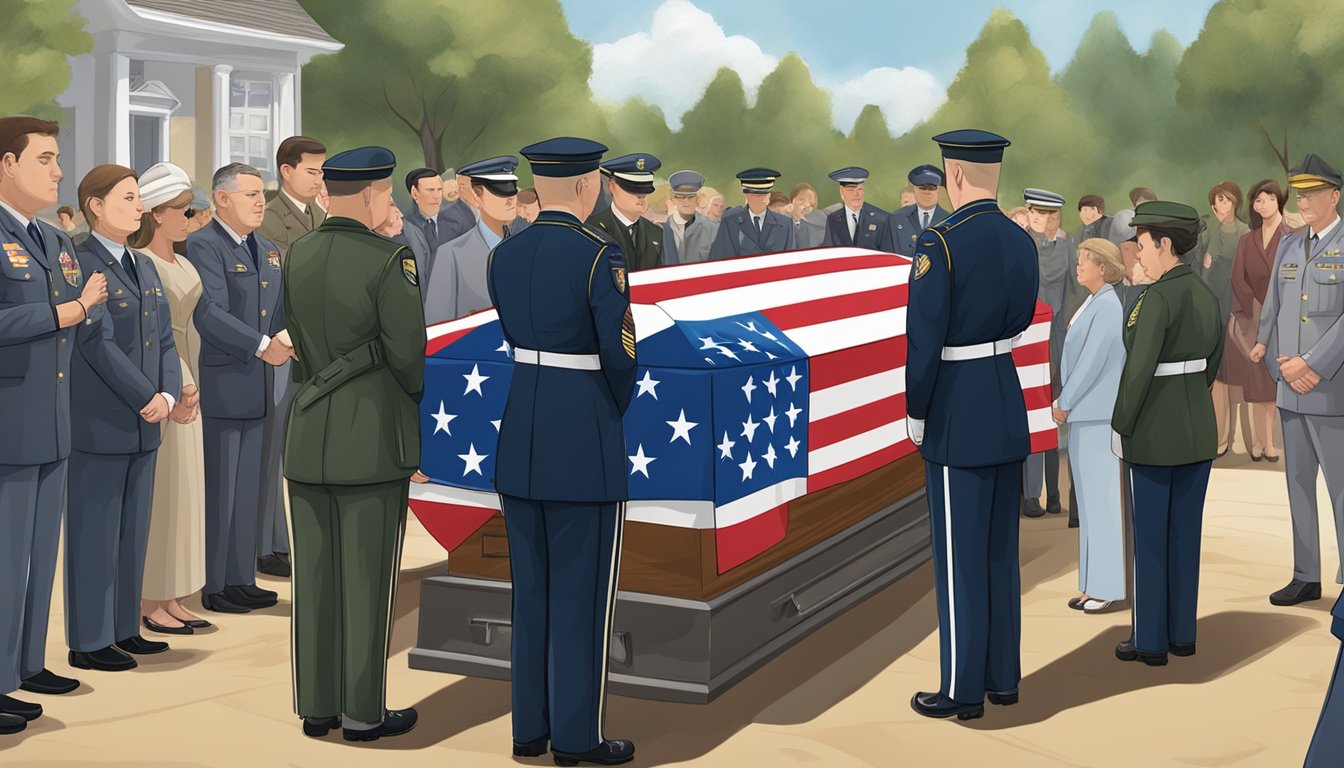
431 145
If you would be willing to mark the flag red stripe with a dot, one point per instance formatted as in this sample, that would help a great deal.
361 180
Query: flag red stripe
856 421
803 313
844 365
859 466
435 345
691 286
450 524
1031 354
1037 397
740 542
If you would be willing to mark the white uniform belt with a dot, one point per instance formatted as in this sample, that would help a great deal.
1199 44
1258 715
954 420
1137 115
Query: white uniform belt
1182 367
977 351
557 360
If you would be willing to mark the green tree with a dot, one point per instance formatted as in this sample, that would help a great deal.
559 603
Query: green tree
793 131
871 145
637 126
459 80
716 132
38 37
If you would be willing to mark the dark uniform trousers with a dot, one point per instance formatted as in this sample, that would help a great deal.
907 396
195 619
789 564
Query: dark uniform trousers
974 516
559 550
1167 519
233 451
31 497
1327 745
348 537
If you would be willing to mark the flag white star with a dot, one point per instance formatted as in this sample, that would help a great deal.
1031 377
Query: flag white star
770 420
770 336
771 384
442 419
474 380
747 467
709 343
772 357
473 460
726 447
792 413
681 428
726 352
641 462
497 422
793 378
748 388
647 385
504 347
749 428
792 447
769 456
747 346
751 326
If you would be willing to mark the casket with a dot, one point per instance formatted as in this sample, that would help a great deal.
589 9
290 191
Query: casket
772 483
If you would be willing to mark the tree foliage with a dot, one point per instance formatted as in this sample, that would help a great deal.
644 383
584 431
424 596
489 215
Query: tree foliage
38 37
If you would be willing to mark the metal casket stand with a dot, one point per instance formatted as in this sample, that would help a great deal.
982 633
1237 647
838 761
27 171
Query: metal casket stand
690 651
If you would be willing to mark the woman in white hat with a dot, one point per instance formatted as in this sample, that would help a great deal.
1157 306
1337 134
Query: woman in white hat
175 558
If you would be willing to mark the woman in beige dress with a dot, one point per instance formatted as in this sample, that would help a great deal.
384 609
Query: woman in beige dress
175 558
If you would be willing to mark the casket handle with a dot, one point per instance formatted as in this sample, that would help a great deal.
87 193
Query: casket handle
483 628
801 602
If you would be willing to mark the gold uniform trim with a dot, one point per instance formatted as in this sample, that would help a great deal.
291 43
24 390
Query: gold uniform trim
1134 313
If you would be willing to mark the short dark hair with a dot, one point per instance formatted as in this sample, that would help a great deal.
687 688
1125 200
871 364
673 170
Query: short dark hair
14 133
413 178
1183 238
68 211
527 196
1141 194
293 149
779 198
99 182
1092 201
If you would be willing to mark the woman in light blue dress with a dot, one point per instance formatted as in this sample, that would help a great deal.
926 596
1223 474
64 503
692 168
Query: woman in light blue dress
1090 367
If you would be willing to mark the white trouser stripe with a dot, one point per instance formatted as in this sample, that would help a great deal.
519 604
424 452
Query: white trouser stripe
610 617
951 584
1133 514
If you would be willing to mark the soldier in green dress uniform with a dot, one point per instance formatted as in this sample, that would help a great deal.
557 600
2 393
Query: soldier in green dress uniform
353 304
1165 430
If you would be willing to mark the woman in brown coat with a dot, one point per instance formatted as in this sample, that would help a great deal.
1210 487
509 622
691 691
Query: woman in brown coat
1250 279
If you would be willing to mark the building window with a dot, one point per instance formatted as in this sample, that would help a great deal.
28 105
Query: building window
250 103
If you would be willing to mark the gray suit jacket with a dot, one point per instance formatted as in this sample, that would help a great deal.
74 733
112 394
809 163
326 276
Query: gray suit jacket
1301 316
416 235
34 352
699 239
903 228
125 358
241 301
458 283
737 234
1093 358
455 219
811 231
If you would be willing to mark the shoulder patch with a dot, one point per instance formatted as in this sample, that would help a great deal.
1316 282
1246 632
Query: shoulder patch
408 270
628 333
1134 313
922 264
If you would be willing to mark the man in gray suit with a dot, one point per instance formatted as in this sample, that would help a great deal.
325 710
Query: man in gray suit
905 224
292 214
421 228
457 284
125 379
239 315
1301 342
44 298
753 228
687 235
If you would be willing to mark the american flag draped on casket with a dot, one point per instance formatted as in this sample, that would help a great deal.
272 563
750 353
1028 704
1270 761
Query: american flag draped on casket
760 380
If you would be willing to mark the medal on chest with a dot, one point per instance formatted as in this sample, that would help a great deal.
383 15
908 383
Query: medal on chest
70 269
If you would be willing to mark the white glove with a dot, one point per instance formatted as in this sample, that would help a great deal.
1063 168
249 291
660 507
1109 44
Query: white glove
915 428
1117 446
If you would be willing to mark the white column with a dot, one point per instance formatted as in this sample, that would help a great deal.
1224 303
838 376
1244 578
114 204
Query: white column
221 86
115 69
298 101
286 118
165 136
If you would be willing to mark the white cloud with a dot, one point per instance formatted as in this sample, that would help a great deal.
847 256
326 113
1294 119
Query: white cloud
906 97
670 65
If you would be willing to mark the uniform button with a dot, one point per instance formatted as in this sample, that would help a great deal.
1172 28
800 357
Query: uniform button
263 313
62 339
1304 297
55 293
147 343
60 374
27 276
1304 318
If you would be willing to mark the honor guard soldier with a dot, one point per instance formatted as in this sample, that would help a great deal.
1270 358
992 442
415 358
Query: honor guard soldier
630 182
563 301
457 286
1302 344
44 299
352 446
1328 742
972 293
687 234
1165 430
905 224
753 228
856 223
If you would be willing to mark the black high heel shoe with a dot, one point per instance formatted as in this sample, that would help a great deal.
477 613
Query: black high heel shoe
152 626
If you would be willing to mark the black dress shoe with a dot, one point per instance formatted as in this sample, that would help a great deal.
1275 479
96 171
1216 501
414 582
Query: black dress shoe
220 604
1032 508
1181 649
532 748
49 682
1073 520
1297 592
154 626
250 596
1052 506
937 705
272 565
1002 698
609 752
395 723
11 723
196 623
107 659
317 727
1127 652
12 706
139 645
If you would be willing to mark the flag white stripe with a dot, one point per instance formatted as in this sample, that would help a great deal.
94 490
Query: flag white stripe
761 501
751 298
1033 376
678 514
470 321
1036 334
849 332
753 264
649 319
856 447
1040 420
447 494
855 393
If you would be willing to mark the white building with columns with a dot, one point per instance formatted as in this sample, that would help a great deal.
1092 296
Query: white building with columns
200 83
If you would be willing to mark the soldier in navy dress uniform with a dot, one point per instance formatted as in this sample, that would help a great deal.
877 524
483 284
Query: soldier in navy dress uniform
753 228
561 292
44 299
630 182
972 292
856 222
1328 743
905 224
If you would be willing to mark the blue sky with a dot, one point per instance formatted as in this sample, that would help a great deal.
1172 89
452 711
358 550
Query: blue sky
898 55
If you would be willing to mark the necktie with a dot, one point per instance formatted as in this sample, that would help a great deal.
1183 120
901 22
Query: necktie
36 235
853 225
924 220
433 232
632 229
312 217
757 219
128 264
251 242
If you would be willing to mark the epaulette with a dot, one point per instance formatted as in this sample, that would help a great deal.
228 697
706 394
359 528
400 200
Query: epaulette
581 229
